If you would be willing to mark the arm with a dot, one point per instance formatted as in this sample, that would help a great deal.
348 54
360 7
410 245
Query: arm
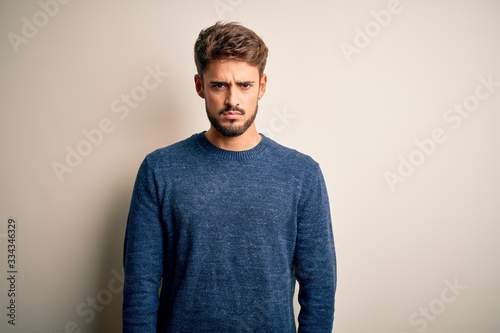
315 261
143 256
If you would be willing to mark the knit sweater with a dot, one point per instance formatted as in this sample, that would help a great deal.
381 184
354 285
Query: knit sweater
216 239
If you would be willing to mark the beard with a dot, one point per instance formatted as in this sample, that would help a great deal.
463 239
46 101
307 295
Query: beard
231 130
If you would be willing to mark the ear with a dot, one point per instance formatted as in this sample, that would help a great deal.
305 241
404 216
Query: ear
198 83
262 86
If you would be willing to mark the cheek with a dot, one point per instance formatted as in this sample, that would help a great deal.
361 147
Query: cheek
214 103
210 98
252 100
215 100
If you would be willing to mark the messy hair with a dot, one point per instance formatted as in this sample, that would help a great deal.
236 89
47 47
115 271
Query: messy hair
229 41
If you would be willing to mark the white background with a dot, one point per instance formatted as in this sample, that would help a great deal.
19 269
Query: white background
359 114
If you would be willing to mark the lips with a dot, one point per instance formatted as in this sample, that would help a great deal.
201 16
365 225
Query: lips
232 115
229 109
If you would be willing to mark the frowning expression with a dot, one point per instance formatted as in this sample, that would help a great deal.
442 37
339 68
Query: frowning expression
231 90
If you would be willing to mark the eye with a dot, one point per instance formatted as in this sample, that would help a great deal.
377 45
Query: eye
218 86
246 85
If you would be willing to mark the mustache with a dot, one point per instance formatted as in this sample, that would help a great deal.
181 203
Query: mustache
231 108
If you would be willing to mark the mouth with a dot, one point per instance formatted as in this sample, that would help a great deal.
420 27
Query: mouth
232 115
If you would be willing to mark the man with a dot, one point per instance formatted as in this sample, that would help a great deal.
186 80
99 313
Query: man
227 220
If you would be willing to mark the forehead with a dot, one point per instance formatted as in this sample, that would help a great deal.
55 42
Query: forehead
231 70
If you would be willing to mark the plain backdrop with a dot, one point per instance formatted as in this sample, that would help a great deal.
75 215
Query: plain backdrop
399 102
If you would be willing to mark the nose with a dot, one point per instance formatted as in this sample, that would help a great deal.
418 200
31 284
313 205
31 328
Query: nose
232 97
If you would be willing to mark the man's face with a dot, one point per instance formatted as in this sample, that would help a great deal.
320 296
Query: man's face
231 90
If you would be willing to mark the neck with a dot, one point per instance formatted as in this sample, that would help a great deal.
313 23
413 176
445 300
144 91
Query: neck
247 140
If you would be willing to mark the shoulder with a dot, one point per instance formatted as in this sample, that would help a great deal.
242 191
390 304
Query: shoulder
179 152
293 164
290 157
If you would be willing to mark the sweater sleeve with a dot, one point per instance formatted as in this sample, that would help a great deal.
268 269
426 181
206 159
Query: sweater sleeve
143 256
315 261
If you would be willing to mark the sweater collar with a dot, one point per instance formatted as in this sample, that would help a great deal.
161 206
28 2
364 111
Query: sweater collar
230 154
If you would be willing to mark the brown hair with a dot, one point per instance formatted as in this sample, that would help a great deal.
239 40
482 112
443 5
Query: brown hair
229 41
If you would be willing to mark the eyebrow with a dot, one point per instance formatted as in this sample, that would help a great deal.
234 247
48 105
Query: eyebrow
237 82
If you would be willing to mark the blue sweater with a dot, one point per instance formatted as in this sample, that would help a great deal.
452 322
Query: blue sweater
224 235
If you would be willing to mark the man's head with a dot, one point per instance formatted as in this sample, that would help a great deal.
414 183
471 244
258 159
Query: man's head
230 60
